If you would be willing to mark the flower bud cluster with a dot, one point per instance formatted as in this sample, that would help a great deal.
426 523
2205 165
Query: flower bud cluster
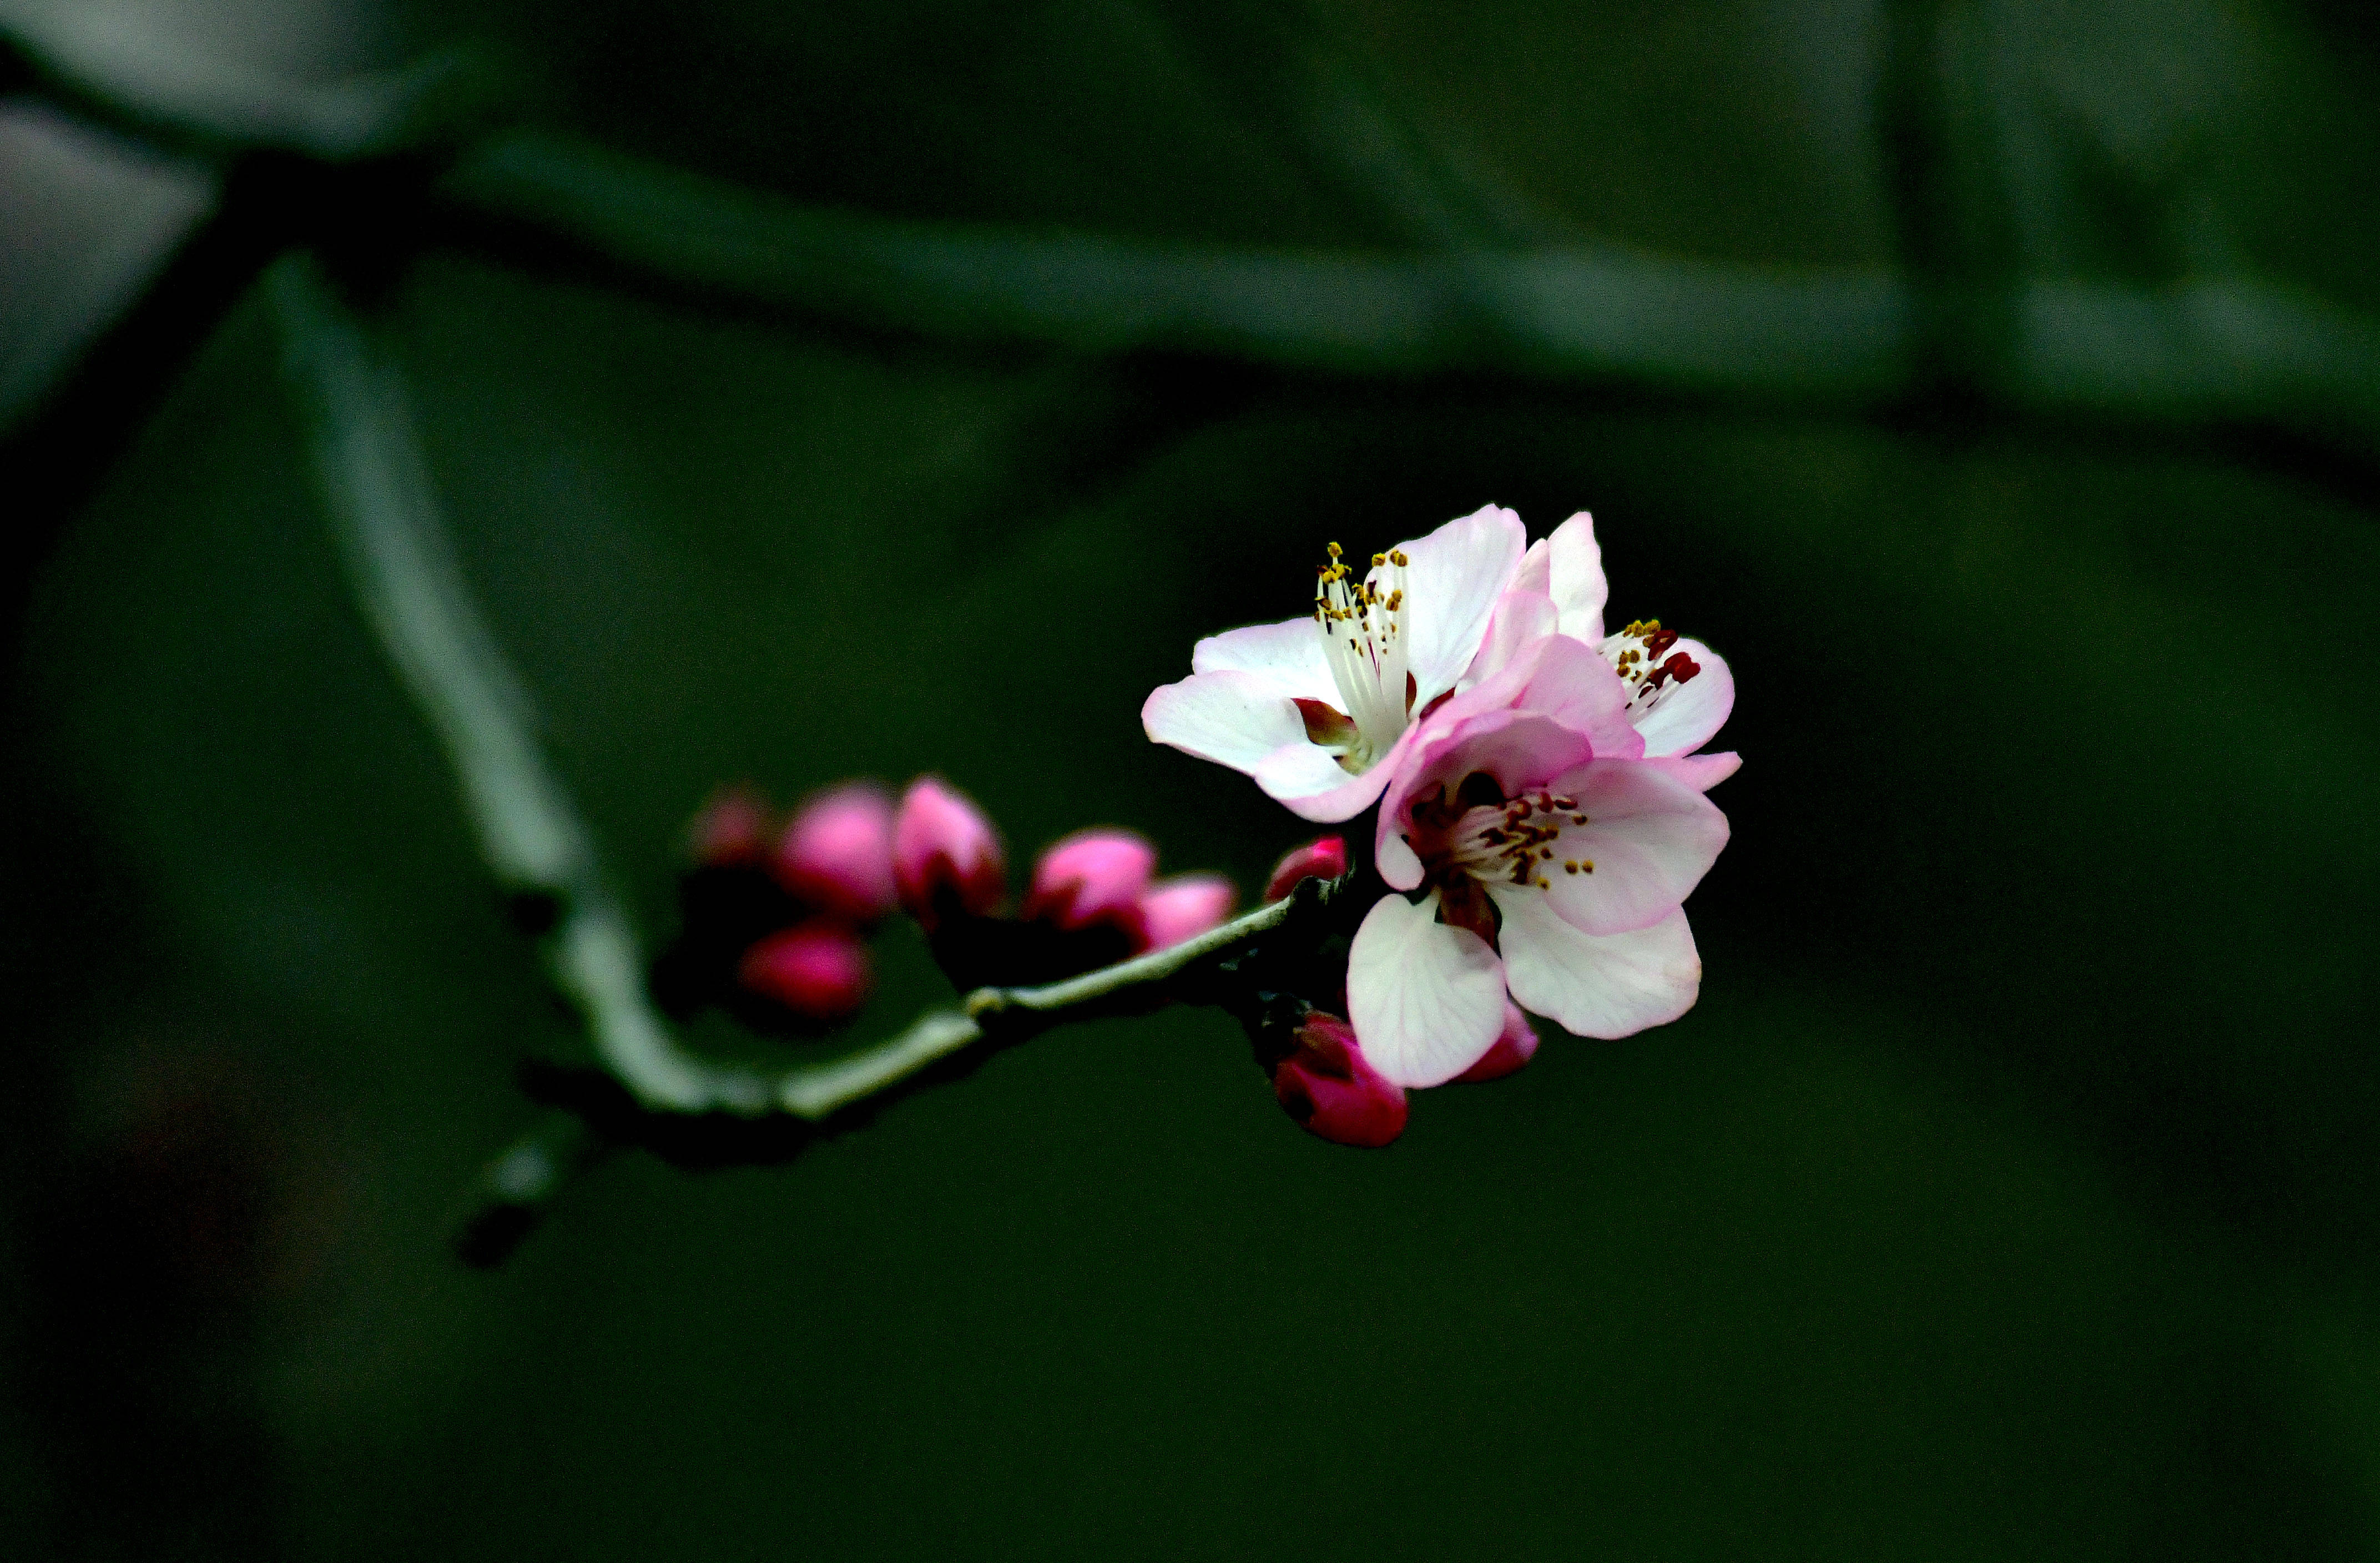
776 911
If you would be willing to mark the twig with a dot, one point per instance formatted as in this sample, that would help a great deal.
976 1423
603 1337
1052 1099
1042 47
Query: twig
384 512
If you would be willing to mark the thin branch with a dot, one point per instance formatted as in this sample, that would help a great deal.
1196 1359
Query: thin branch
145 84
384 511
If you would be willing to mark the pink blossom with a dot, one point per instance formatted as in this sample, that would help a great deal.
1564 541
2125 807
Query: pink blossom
1092 876
1679 691
1333 1091
1514 1046
1545 869
1324 857
1184 907
836 854
1321 708
819 970
946 857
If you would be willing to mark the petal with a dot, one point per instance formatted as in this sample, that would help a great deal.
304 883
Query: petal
1561 678
1518 748
1523 615
1453 579
1185 907
1093 876
1232 718
1314 786
1702 773
1427 1000
1648 840
1691 714
1287 655
1575 578
1515 1045
1612 985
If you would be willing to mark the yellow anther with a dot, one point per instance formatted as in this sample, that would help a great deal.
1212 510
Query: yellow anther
1397 557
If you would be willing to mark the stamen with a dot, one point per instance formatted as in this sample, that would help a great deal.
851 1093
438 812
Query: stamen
1361 625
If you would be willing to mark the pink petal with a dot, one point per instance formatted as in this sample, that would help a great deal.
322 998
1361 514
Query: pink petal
1426 999
1691 714
837 853
1233 718
946 857
1453 579
1332 1090
1324 857
1702 773
1523 615
1612 985
819 970
1096 876
1515 1045
1520 750
1184 907
1648 840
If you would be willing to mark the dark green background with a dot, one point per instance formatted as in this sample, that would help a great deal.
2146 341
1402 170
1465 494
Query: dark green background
2008 1195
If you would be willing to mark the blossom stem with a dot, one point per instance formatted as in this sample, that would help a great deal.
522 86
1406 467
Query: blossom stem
384 512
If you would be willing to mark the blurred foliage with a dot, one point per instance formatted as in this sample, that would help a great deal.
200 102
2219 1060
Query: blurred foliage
2007 1194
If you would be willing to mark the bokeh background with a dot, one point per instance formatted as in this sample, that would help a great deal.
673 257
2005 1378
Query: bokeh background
834 390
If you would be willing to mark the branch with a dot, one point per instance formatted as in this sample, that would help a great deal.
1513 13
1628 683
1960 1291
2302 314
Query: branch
384 512
181 100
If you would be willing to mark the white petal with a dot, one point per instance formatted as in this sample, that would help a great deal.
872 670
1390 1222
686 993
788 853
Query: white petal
1427 1000
1288 655
1612 985
1234 719
1650 836
1691 714
1313 786
1455 576
1575 578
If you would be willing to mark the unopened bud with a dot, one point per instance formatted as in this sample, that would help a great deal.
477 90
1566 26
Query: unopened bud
730 830
818 971
837 853
1324 857
1333 1091
1090 878
1514 1046
1184 907
946 857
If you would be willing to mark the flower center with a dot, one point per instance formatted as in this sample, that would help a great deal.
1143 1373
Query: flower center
1363 628
1641 654
1470 837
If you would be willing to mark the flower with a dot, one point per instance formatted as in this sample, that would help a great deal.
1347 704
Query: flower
946 857
1677 692
836 854
1332 1090
818 971
1092 876
1551 860
1321 708
1324 857
1184 907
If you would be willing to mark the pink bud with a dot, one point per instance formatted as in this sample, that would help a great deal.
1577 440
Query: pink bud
837 853
1515 1045
731 830
1329 1087
1324 857
946 855
1184 907
819 970
1094 876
